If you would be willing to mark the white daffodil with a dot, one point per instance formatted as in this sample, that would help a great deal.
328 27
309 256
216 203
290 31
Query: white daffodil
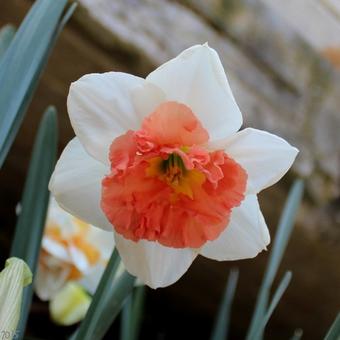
72 250
160 161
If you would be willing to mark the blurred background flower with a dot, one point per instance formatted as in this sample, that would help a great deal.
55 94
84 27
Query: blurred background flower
73 258
72 250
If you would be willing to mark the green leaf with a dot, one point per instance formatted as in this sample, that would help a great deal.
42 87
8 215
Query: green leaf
31 221
66 17
137 310
334 331
22 64
6 35
221 327
13 279
107 301
132 314
276 298
282 236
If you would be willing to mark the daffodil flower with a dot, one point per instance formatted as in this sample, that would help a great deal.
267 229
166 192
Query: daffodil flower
160 162
72 251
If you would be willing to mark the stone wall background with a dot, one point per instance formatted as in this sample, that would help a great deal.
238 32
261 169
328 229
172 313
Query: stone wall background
284 81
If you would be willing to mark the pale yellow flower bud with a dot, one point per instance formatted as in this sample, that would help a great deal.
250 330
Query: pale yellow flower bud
70 304
13 279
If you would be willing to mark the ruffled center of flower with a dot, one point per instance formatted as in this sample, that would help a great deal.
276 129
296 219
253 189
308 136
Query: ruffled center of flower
173 172
166 186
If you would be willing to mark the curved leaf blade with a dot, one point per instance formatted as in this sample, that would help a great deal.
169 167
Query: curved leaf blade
107 301
282 236
6 35
31 221
22 64
220 331
334 331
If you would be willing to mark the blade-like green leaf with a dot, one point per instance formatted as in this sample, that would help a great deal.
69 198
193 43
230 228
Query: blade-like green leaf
6 35
283 233
137 310
107 301
132 314
31 221
334 331
276 298
221 327
22 65
125 322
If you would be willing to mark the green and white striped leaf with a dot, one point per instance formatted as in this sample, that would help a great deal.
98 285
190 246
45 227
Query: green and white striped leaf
13 279
132 314
276 298
334 331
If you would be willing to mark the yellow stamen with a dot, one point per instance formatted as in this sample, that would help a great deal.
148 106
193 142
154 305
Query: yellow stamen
173 172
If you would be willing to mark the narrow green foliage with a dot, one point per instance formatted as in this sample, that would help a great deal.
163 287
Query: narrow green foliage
125 322
132 314
22 64
107 301
66 17
221 327
31 221
276 298
334 331
283 233
6 35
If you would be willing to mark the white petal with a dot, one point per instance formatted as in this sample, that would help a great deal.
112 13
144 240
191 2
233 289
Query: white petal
102 107
48 281
55 248
197 78
76 185
79 259
91 279
102 240
264 156
152 263
245 236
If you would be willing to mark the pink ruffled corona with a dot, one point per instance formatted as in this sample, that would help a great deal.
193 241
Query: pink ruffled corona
166 186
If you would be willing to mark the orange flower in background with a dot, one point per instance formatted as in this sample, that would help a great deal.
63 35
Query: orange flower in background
160 162
71 251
